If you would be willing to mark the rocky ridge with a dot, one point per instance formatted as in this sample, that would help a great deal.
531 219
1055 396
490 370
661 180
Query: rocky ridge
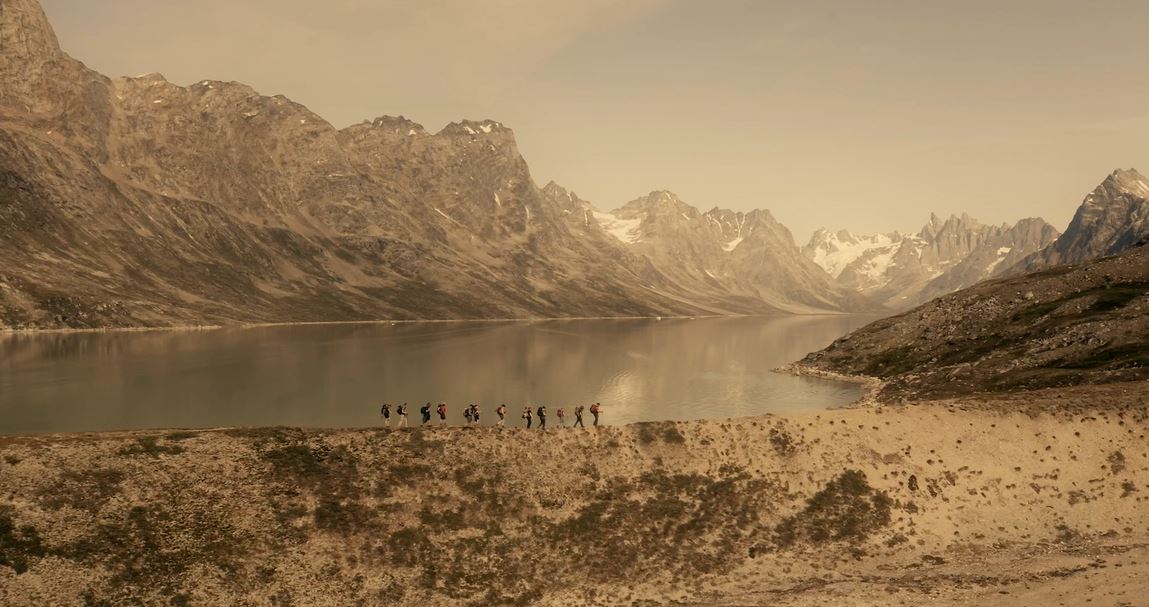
718 255
899 271
1068 325
139 202
1111 219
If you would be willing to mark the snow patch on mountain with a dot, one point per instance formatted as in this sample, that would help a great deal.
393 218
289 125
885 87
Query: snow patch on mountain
834 251
625 230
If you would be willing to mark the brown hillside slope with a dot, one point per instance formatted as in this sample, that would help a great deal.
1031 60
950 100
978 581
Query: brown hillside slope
859 507
1079 324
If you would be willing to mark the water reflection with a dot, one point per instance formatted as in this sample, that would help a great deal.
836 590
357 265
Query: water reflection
336 375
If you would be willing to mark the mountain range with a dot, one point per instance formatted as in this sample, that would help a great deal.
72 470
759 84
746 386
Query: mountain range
138 202
899 271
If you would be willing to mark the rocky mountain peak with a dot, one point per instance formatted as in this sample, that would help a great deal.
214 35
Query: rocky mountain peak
28 49
400 125
475 128
659 203
1122 181
25 34
1112 218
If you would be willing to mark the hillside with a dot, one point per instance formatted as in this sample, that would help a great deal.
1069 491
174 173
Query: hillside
859 507
1068 325
139 202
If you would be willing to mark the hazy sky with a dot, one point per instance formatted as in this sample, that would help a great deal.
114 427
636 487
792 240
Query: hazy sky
864 115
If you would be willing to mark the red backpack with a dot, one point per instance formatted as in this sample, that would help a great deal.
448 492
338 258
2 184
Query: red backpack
594 408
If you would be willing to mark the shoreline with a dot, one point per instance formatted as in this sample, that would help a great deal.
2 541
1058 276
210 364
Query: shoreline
873 385
215 327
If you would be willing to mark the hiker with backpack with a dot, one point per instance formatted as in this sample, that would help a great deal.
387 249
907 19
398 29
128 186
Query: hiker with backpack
442 411
578 417
594 410
542 414
467 413
385 411
425 411
401 411
562 415
502 413
475 414
527 416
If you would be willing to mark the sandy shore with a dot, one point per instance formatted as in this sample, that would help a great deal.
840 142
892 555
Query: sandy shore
1027 499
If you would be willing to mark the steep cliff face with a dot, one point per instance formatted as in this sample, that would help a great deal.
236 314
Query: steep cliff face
1111 219
136 201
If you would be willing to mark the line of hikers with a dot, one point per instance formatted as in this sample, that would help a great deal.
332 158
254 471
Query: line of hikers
471 414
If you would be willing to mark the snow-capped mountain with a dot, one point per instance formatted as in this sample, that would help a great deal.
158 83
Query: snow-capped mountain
899 271
1111 219
742 261
864 259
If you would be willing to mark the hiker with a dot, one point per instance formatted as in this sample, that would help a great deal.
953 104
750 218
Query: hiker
542 413
425 411
578 417
527 416
475 414
594 410
562 415
467 413
502 413
385 411
442 411
401 411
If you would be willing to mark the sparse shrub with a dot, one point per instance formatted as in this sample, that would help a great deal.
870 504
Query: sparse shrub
846 509
329 471
342 517
1128 488
672 435
180 435
150 446
646 434
1066 534
18 544
83 489
1116 462
782 441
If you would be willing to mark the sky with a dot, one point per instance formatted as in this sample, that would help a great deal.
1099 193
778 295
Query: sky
860 115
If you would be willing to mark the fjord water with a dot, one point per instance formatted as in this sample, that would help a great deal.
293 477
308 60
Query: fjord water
338 375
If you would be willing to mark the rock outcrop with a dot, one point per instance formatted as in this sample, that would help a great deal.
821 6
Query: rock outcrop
1068 325
1111 219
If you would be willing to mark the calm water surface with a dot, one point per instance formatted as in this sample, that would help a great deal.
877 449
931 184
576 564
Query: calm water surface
338 375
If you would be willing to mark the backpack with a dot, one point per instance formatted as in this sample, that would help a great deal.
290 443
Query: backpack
540 412
594 408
